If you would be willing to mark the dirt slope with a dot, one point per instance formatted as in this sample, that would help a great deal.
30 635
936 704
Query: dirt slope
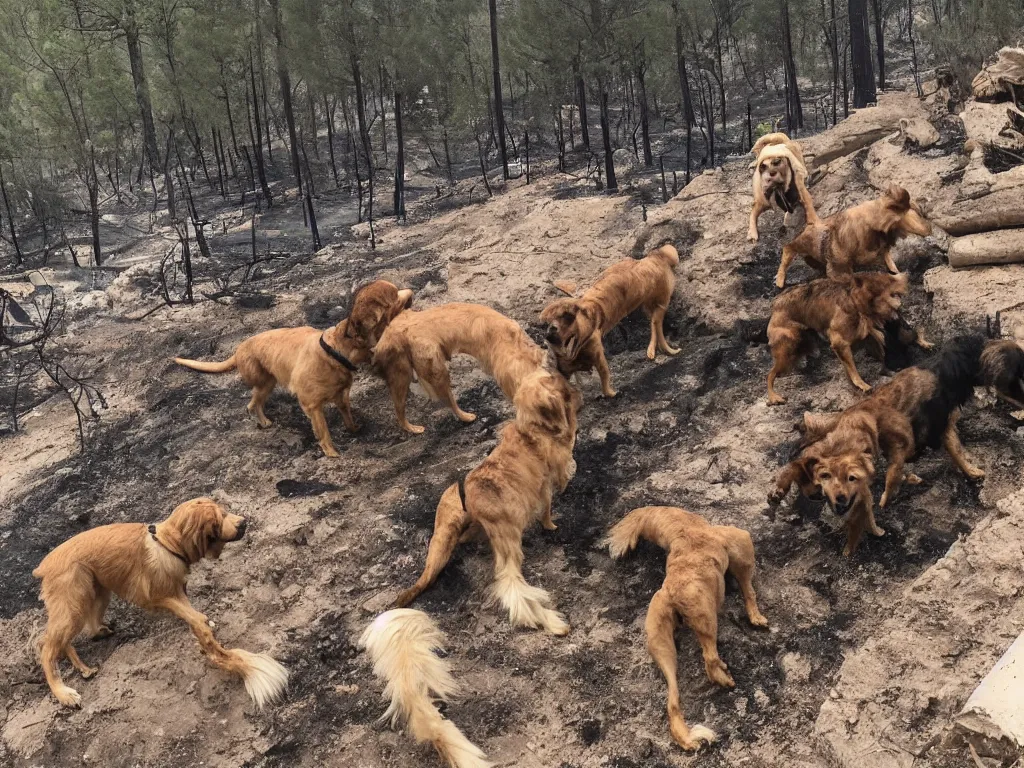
331 542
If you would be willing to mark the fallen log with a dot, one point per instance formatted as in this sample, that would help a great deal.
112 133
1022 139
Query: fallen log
981 219
1004 246
992 721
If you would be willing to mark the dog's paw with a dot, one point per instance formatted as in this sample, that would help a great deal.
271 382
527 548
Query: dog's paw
863 386
102 632
758 619
752 236
774 398
414 429
650 353
775 497
912 479
876 531
672 351
609 393
720 676
69 697
88 672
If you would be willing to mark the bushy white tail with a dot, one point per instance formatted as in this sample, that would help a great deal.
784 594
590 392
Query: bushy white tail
265 679
402 643
527 606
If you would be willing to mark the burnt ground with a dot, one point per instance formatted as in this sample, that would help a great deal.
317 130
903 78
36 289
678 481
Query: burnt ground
331 542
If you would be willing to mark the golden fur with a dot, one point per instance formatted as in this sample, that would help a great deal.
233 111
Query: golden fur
699 555
861 236
374 306
578 325
149 570
780 180
420 344
918 408
845 313
403 644
293 358
510 489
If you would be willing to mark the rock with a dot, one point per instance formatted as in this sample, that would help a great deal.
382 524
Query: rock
625 163
380 601
918 132
796 668
95 300
361 231
991 84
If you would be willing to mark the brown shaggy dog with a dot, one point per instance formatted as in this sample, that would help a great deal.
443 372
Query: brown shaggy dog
316 366
699 554
420 344
918 409
147 567
780 180
845 313
374 306
510 489
577 325
858 237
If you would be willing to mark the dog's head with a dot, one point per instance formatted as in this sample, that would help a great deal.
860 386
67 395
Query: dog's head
546 402
879 294
900 216
666 253
374 306
1002 367
346 340
570 324
843 479
201 527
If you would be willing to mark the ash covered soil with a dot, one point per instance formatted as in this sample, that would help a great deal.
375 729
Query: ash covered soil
332 541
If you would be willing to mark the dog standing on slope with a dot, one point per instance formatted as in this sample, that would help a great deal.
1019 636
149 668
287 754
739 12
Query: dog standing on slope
403 644
419 344
861 236
577 325
846 313
699 555
919 408
780 180
147 567
510 489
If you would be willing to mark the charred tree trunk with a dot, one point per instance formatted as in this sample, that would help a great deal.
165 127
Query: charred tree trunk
364 133
10 218
94 209
258 138
876 8
499 112
142 98
447 156
399 160
286 92
860 55
581 96
684 82
218 159
329 112
793 107
609 160
645 126
383 117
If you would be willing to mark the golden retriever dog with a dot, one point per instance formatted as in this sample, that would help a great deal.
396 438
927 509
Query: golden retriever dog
844 312
699 555
374 306
403 644
576 326
419 344
780 180
917 409
316 366
510 489
147 566
861 236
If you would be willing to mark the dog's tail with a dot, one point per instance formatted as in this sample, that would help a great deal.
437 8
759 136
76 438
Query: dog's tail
198 365
265 679
651 523
403 644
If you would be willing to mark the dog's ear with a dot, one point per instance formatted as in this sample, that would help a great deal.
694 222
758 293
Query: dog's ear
899 197
867 461
197 523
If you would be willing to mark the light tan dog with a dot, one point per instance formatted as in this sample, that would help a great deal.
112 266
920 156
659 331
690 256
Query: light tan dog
780 180
148 568
316 366
699 555
510 489
859 237
420 344
578 325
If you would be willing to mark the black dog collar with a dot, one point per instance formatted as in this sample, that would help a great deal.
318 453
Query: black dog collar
336 355
152 531
462 491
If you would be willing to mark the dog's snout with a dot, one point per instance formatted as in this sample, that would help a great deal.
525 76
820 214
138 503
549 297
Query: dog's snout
240 529
552 335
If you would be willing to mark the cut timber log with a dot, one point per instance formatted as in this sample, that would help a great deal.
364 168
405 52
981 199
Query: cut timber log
981 219
1005 246
993 720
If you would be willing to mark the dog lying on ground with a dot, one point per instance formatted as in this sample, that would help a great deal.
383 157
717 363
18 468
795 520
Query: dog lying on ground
917 409
845 313
699 554
403 645
420 344
316 366
147 567
780 180
509 490
858 237
577 325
